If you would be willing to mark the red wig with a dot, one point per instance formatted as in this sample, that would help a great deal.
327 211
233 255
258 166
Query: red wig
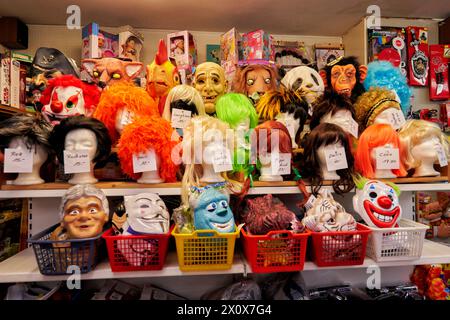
265 131
144 134
377 135
91 92
124 95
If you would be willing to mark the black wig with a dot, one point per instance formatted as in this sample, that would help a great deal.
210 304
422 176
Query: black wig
184 105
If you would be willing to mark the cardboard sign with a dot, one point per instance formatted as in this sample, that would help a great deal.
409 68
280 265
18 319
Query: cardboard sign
76 161
180 118
18 160
396 118
222 160
442 155
335 158
144 162
281 163
387 158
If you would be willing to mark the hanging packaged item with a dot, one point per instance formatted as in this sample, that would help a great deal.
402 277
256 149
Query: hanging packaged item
97 43
439 89
418 60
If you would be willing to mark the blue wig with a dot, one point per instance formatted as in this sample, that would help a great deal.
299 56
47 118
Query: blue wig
384 74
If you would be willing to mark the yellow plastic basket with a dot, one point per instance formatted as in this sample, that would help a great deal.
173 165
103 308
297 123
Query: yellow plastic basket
205 249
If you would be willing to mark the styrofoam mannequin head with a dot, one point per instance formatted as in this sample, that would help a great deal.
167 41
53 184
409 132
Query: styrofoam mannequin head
123 117
147 213
291 124
383 117
327 175
343 118
81 139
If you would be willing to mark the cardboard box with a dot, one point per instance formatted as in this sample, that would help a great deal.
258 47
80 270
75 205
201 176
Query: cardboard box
229 47
15 84
98 43
256 46
131 43
418 59
5 80
182 49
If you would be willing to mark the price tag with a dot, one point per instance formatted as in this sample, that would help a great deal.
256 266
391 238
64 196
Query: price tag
353 129
281 163
396 118
222 160
126 117
18 160
144 162
387 158
335 157
76 161
442 155
180 118
309 204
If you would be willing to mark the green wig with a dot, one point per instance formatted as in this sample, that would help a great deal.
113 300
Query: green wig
234 108
361 181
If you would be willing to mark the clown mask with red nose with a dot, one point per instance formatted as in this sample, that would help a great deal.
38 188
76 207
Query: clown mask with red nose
377 203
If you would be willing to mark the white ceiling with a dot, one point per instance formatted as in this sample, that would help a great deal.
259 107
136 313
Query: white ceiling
306 17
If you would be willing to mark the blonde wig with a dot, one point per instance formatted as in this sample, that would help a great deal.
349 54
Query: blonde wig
189 95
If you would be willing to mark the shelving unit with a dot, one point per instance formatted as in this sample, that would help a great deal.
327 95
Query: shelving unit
7 110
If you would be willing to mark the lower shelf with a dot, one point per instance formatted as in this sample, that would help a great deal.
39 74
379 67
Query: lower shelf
23 268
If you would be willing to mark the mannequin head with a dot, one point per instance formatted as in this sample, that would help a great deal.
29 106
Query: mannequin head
210 82
375 136
314 165
419 139
141 136
123 97
333 108
254 80
294 117
236 110
147 214
373 105
183 97
84 210
305 79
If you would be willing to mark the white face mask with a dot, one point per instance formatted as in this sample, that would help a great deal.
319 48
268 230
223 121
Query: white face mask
147 213
81 139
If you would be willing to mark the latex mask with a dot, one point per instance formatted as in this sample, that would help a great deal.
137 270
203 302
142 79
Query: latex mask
209 80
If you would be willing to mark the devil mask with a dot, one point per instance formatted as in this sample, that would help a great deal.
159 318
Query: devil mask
377 203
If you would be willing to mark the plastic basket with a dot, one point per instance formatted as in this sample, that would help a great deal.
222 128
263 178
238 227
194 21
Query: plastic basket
136 252
402 243
205 249
343 248
277 251
55 257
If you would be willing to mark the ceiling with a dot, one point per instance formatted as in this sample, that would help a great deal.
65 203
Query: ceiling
306 17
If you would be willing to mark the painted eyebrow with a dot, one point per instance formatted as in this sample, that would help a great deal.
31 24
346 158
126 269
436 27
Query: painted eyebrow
143 199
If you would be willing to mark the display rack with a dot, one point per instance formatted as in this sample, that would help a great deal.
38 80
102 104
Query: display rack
7 110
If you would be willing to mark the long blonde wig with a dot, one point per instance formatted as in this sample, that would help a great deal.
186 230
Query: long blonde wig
187 94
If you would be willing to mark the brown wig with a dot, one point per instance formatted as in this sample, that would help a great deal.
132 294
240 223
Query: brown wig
239 82
264 137
323 135
330 102
60 131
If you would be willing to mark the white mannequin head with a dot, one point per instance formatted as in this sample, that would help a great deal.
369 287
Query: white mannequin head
152 176
123 117
291 124
381 173
210 148
343 118
326 174
383 117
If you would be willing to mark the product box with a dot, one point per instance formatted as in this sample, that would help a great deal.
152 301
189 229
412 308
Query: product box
444 113
327 52
15 84
181 48
5 80
131 43
433 210
13 227
388 44
418 60
98 43
229 47
439 89
291 54
255 47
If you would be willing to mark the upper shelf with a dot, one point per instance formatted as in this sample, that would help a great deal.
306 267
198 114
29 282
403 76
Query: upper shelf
10 110
122 188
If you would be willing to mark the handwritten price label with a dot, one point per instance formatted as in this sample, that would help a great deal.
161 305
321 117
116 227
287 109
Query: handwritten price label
76 161
387 158
18 160
442 155
281 163
396 118
222 160
126 118
353 129
144 162
180 118
335 157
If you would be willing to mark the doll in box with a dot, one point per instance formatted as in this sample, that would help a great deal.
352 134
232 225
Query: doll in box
421 141
27 132
254 80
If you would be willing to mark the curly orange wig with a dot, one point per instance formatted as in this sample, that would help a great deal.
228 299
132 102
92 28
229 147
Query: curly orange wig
144 134
377 135
123 95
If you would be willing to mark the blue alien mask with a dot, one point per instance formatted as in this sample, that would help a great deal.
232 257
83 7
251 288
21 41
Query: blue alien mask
212 212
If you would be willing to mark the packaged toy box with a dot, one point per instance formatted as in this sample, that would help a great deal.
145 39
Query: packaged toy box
130 43
98 43
181 47
439 72
256 45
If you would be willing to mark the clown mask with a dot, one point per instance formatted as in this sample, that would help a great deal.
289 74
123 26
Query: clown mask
378 204
147 214
209 80
64 102
212 212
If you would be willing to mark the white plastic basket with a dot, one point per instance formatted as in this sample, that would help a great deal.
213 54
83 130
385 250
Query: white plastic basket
402 243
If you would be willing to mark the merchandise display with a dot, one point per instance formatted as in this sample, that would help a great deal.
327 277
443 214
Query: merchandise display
439 87
418 60
434 213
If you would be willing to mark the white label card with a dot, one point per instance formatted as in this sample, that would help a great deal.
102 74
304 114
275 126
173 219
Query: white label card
18 160
222 160
180 118
144 162
396 118
126 118
76 161
442 155
353 128
291 129
335 157
387 158
309 204
281 163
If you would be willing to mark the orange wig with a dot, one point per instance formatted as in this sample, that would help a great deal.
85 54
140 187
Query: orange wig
264 133
144 134
123 95
377 135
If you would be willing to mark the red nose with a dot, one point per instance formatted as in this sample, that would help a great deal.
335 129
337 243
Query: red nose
384 202
56 106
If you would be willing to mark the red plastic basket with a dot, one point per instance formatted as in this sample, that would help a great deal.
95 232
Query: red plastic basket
136 253
342 248
277 251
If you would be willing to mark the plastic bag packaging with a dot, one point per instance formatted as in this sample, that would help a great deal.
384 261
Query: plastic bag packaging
243 290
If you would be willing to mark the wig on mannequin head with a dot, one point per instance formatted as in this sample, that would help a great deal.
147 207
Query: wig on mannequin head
119 96
371 103
144 134
60 131
183 97
323 135
233 108
240 83
384 75
415 131
264 133
330 103
376 135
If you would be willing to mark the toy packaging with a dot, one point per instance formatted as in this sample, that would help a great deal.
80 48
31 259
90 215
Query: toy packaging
291 54
433 209
325 53
5 80
256 47
418 60
98 43
438 73
181 47
229 53
388 44
445 116
130 43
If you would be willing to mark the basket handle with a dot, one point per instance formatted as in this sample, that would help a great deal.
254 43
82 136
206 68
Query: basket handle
274 233
206 232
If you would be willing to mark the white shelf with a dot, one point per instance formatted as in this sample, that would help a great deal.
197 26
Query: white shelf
23 268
